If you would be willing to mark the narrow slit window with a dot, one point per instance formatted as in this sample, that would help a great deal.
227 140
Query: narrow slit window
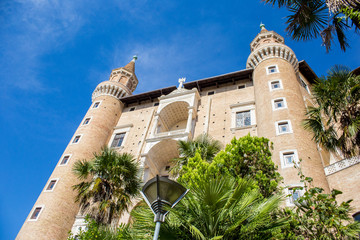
211 93
64 160
118 140
51 185
156 104
86 121
36 213
96 104
76 139
241 86
132 109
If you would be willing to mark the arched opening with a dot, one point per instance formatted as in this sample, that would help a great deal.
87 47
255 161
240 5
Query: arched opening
356 216
158 159
173 118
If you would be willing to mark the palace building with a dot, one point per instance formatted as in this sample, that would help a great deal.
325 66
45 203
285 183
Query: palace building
267 99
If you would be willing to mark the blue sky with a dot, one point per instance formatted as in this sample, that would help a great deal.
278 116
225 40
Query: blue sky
54 53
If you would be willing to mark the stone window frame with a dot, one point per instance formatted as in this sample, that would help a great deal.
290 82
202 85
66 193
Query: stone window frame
30 219
275 89
47 184
62 157
282 159
289 201
120 129
278 133
242 107
93 105
86 117
73 139
273 65
276 99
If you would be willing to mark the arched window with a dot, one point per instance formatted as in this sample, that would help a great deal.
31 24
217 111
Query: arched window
356 216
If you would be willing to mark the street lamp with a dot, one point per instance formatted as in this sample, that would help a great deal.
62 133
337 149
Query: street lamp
161 191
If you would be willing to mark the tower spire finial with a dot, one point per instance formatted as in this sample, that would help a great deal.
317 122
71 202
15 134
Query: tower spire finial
262 26
134 58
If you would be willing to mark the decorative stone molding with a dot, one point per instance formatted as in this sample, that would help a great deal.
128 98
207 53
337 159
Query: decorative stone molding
263 37
114 89
340 165
272 50
116 74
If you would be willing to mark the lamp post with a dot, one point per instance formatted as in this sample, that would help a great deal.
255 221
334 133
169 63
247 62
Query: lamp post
161 191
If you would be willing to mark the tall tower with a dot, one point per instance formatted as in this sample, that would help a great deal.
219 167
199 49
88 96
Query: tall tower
280 108
55 209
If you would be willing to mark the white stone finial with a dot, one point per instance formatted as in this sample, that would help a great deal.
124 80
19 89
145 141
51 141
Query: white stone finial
262 26
181 82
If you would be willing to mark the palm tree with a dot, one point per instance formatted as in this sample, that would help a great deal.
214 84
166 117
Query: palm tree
335 120
110 181
219 208
204 144
310 19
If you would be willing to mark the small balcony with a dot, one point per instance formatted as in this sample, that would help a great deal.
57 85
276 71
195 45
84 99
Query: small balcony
340 165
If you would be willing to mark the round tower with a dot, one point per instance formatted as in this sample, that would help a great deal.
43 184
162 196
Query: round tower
280 108
54 211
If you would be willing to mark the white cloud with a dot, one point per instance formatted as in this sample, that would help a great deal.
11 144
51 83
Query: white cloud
32 28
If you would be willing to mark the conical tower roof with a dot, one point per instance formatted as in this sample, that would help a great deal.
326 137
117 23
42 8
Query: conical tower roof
131 65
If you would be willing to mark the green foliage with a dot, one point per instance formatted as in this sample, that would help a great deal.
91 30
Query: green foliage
110 182
95 231
318 216
215 208
250 157
203 144
335 120
246 157
310 19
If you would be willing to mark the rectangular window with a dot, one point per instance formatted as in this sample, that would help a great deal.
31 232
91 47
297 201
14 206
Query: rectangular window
283 127
36 213
118 139
156 104
64 160
295 194
241 86
96 105
243 119
275 85
51 185
279 103
76 139
86 121
211 93
288 158
272 69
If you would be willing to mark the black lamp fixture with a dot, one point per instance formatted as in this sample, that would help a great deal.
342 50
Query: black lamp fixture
159 192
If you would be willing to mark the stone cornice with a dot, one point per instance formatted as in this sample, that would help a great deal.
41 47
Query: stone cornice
124 72
265 35
109 88
272 50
